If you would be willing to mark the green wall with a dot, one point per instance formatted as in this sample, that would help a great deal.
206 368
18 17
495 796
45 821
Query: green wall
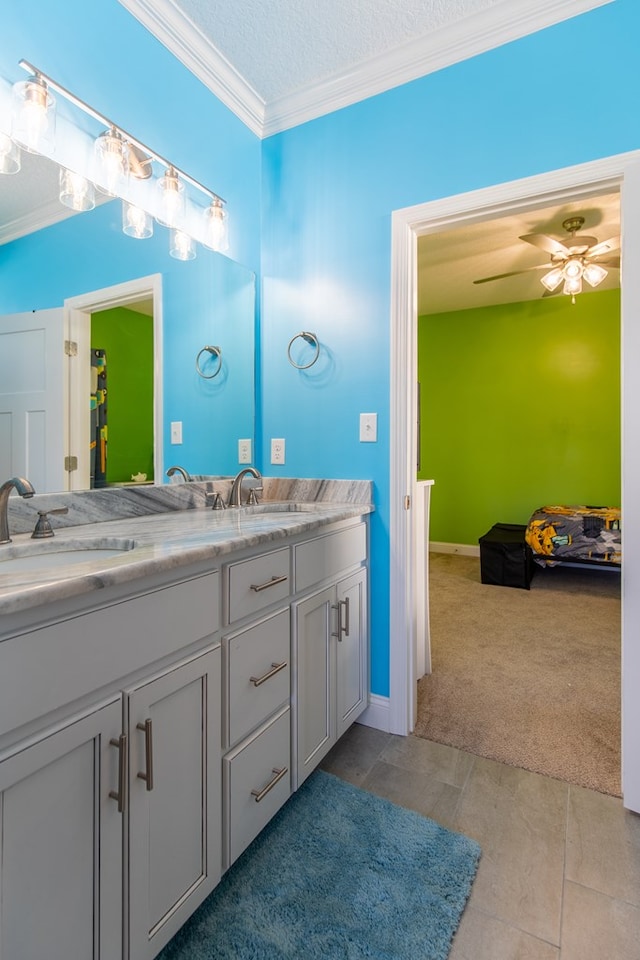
520 406
127 336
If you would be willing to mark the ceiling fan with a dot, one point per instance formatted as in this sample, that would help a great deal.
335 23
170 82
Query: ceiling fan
578 258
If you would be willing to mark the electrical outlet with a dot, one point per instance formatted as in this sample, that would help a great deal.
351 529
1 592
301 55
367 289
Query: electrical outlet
176 431
277 451
368 427
244 451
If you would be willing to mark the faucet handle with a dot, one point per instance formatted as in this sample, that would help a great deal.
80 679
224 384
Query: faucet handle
216 501
252 499
43 526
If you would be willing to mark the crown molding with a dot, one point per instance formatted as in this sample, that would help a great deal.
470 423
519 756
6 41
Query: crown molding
469 37
179 35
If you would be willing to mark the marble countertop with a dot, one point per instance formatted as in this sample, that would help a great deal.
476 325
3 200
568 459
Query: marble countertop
154 544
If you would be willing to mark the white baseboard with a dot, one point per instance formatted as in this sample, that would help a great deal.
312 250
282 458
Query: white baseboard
463 549
377 714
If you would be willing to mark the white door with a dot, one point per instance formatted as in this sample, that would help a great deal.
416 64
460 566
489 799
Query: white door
32 398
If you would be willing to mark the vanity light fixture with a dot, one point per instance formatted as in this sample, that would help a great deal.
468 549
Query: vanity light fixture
9 155
182 246
172 203
111 156
34 114
215 220
76 192
136 222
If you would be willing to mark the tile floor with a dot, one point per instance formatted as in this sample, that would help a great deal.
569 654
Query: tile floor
559 877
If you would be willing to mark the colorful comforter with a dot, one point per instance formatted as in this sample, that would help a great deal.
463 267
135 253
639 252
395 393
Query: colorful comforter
577 533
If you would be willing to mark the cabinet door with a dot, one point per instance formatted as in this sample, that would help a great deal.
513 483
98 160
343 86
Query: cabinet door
314 619
352 648
175 798
61 844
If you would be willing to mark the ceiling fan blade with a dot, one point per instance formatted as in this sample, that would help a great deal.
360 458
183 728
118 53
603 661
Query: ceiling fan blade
607 262
547 243
513 273
605 246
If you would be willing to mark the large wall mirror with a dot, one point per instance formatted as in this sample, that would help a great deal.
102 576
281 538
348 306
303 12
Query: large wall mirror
139 317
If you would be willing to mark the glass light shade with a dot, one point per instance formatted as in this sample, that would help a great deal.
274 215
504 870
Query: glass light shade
572 269
594 274
172 202
552 279
136 222
9 155
215 220
572 285
34 116
76 192
111 157
181 245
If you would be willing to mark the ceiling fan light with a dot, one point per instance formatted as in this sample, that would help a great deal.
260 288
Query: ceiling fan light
553 279
572 285
594 274
573 269
34 116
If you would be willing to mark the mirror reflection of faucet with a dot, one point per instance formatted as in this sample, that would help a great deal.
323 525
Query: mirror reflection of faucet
181 470
21 486
43 526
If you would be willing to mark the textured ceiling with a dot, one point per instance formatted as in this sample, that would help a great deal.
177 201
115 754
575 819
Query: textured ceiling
282 46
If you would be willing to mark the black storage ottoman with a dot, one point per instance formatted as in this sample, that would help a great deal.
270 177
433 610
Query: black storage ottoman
506 559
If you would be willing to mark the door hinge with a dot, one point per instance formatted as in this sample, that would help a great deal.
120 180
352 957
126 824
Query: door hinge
70 464
70 348
407 502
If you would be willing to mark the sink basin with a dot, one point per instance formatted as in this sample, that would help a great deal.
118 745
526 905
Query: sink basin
43 559
278 508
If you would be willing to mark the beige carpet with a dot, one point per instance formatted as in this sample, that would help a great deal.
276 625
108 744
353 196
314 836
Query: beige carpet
527 677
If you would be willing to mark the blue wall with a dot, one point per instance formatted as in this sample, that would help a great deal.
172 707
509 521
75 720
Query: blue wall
329 187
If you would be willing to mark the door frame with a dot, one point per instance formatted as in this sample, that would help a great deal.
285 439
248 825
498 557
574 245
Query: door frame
78 312
569 183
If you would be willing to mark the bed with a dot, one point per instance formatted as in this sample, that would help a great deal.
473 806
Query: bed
576 534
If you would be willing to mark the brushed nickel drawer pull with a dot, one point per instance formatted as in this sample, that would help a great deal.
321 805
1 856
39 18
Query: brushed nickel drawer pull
257 587
345 629
275 668
119 794
278 775
148 750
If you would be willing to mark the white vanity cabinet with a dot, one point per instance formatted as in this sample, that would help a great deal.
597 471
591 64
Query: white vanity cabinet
61 842
174 798
330 633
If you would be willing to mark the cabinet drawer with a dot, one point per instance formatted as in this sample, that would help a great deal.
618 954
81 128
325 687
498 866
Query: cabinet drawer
255 584
247 772
325 557
258 674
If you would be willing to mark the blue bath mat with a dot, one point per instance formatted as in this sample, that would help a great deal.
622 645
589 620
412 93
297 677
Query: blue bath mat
338 874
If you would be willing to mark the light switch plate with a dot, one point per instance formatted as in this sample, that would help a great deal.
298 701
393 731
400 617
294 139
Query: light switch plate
368 427
244 451
176 431
277 451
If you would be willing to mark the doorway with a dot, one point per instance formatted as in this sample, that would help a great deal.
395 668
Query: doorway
616 173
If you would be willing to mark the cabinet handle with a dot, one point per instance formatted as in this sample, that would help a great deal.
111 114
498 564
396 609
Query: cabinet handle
345 629
257 587
278 775
119 794
275 668
148 750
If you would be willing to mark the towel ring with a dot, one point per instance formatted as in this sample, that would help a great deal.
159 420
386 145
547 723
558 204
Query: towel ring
311 339
215 352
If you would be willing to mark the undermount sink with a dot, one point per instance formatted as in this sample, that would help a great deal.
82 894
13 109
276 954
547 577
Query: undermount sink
43 558
279 507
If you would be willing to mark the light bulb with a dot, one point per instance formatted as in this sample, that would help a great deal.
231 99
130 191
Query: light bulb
136 222
181 245
215 219
33 116
552 279
572 285
594 274
76 192
112 162
171 199
9 155
573 269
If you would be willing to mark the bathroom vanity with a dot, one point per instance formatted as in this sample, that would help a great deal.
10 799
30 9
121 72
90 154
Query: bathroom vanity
158 707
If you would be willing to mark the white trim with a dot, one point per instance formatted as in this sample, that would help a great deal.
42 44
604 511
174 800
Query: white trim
461 549
576 182
377 713
441 48
182 38
78 312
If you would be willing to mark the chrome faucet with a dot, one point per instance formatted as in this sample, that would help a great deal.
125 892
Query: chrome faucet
181 470
235 499
25 489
